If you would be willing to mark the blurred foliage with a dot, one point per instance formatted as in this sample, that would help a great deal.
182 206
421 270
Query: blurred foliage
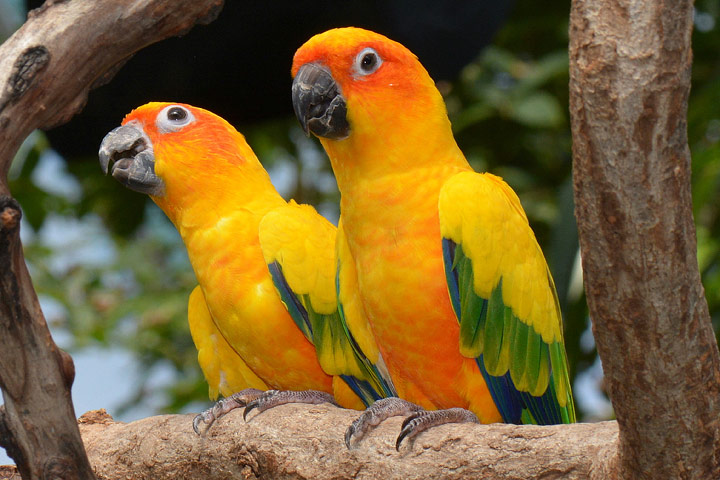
127 290
704 140
510 115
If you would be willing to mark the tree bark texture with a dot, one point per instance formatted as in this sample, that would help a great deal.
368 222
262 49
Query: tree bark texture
38 426
46 70
68 47
630 63
306 442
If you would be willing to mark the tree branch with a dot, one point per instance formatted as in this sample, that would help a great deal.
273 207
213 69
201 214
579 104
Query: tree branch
66 48
306 442
38 421
46 70
630 67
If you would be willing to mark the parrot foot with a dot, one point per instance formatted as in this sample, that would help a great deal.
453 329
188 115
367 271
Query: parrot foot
376 413
273 398
225 405
423 420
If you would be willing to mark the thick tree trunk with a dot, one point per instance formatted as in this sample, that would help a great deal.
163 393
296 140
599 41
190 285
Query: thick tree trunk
37 422
630 66
305 442
46 70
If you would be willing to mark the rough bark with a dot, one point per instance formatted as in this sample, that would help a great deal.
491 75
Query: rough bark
9 472
630 64
306 442
38 421
68 47
46 70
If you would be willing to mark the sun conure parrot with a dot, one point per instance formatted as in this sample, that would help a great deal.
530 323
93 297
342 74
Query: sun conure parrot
265 312
453 282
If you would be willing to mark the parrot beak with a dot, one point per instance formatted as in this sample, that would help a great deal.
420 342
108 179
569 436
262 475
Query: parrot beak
130 152
318 103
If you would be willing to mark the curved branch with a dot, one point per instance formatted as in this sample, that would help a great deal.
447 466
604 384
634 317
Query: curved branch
629 85
46 70
306 442
64 49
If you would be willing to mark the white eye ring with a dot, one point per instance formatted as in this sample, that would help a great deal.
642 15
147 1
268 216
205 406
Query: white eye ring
173 118
367 61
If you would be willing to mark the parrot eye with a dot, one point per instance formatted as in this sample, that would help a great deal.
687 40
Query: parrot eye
177 114
174 118
367 61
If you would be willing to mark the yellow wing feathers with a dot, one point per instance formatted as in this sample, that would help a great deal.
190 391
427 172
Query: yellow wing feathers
299 249
481 213
224 370
303 243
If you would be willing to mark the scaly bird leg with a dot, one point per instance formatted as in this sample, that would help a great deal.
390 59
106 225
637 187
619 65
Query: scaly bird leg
423 420
225 405
273 398
376 413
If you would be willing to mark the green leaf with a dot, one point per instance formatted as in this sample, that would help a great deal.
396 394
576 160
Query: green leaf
539 109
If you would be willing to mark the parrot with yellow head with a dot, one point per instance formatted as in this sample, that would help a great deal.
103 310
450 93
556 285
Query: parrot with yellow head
266 313
453 282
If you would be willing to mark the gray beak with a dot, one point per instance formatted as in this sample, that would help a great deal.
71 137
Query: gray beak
318 103
128 153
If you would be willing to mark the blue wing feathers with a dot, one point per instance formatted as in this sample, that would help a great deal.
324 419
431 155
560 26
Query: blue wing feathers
503 393
362 389
448 247
387 389
303 320
498 325
296 309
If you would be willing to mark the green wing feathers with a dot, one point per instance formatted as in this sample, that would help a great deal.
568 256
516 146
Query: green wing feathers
355 320
505 299
299 248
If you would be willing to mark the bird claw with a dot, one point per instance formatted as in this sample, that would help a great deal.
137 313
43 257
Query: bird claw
225 405
273 398
376 414
423 420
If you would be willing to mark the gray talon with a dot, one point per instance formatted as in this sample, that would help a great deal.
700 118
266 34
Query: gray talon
200 417
375 414
223 406
420 421
273 398
348 434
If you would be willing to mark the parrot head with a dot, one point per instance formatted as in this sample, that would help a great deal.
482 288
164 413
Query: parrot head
177 154
366 97
346 79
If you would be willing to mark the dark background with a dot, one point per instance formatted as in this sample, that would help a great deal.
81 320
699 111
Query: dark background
239 65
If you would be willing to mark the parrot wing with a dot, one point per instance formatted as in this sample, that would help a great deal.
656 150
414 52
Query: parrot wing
224 370
505 300
355 320
299 249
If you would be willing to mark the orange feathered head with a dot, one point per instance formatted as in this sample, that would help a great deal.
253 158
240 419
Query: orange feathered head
371 103
348 78
178 154
182 124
